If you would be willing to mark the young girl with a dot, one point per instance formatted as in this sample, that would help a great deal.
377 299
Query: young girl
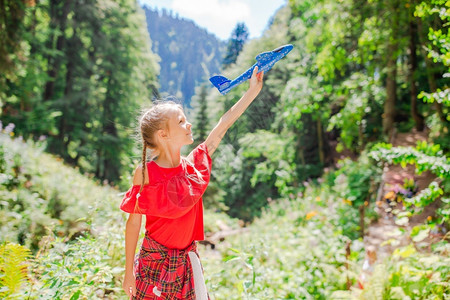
168 192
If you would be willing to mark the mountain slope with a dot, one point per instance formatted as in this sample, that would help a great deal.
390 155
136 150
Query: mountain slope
189 54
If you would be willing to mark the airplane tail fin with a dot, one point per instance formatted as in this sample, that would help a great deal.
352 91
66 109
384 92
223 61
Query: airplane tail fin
220 82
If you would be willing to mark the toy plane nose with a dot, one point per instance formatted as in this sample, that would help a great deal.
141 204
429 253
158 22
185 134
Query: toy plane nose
286 48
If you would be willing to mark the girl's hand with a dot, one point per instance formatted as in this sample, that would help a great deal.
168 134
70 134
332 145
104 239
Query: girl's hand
129 285
256 81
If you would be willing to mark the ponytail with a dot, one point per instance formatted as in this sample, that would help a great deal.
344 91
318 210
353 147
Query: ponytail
144 169
144 160
144 165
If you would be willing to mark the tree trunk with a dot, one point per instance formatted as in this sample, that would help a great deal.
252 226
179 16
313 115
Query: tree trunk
348 252
300 155
361 220
320 141
110 161
391 65
58 22
418 118
391 94
99 167
360 137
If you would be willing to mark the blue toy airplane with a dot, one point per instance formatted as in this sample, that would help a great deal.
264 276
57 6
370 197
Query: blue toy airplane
265 62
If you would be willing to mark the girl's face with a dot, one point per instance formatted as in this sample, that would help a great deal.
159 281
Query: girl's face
179 128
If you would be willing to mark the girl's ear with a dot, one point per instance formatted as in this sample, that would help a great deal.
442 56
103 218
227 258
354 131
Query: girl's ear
162 134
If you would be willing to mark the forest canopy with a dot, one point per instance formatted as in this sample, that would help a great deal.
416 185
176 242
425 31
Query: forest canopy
76 73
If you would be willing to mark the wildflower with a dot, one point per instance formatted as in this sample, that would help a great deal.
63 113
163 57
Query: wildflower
311 214
9 128
366 203
346 201
391 195
429 218
318 198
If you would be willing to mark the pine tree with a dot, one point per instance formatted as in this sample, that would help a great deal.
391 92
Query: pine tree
200 116
238 38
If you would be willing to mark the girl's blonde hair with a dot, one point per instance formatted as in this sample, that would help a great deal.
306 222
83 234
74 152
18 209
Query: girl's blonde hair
150 122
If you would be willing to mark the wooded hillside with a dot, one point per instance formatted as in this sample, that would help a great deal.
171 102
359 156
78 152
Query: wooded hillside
189 54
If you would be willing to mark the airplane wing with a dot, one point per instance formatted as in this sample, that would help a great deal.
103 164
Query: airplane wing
220 82
264 56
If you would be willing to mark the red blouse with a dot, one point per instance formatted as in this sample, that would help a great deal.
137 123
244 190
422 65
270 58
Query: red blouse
172 201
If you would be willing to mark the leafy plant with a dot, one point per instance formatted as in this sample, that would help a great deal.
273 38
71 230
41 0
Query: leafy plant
354 185
79 269
14 262
414 275
290 255
426 157
439 47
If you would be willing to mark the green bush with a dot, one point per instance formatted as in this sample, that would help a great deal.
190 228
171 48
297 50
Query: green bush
407 274
354 184
291 252
425 157
39 193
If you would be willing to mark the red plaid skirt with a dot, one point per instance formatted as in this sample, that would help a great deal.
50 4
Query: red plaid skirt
169 270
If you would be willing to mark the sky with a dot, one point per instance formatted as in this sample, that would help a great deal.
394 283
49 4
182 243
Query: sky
220 16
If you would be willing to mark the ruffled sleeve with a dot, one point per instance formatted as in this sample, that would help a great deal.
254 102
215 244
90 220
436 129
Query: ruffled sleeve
173 197
202 160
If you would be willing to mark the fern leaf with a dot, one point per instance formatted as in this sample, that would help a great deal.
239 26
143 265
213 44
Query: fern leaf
13 268
375 289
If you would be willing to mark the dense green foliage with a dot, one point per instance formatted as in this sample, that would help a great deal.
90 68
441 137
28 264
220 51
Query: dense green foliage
438 51
407 275
351 79
78 75
61 211
189 54
425 158
278 262
10 31
299 249
70 222
48 196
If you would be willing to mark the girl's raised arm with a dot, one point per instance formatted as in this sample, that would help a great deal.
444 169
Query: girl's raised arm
228 119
